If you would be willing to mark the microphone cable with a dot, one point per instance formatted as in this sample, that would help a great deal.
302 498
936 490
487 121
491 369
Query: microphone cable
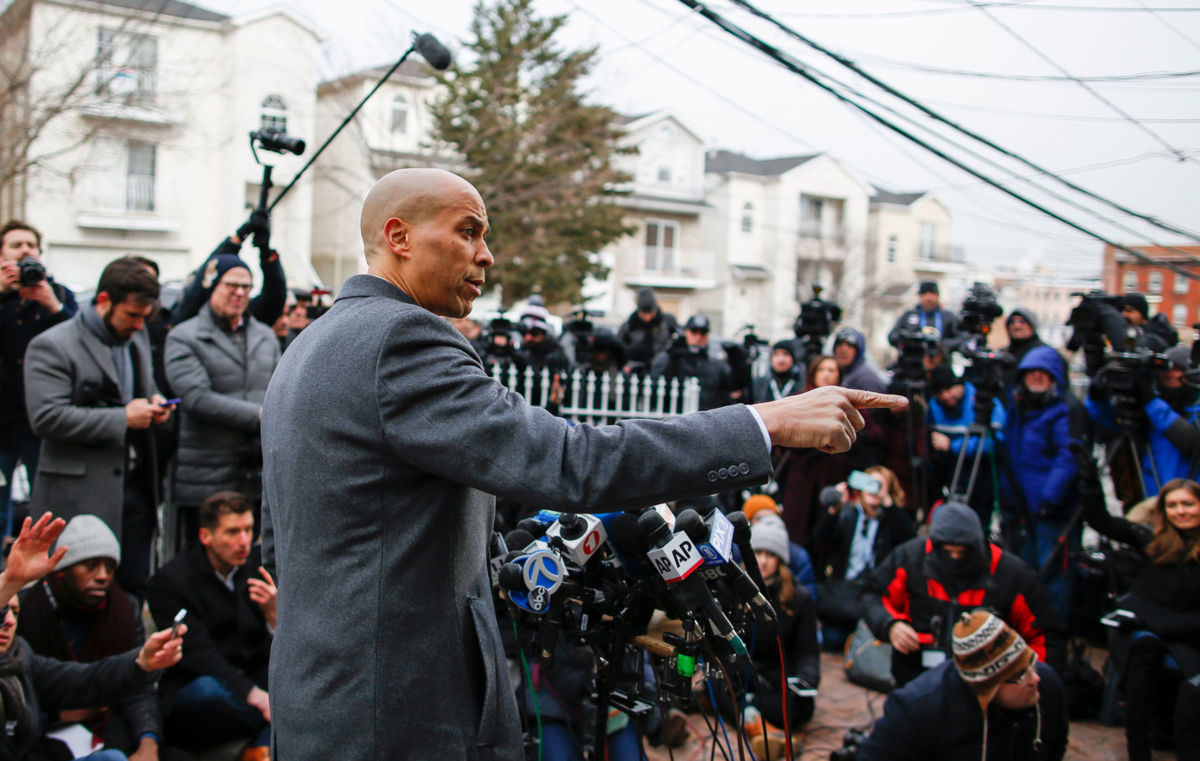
738 722
537 712
728 754
787 724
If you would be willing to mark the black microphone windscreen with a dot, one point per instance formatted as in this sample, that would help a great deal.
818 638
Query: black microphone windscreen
624 535
829 497
511 578
653 527
533 526
518 538
434 52
690 523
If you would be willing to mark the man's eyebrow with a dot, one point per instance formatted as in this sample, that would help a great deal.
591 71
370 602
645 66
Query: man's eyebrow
477 221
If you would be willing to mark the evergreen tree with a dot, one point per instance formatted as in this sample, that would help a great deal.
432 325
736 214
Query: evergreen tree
540 156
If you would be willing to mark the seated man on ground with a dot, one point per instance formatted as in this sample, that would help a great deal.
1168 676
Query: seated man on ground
34 686
77 614
218 692
912 598
993 693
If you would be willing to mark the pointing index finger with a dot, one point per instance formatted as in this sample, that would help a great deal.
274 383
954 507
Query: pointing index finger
864 400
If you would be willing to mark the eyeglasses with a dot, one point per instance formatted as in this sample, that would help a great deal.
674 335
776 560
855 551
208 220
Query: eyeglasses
238 286
1026 676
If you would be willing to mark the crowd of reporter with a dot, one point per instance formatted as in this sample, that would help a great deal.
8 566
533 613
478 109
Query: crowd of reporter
960 515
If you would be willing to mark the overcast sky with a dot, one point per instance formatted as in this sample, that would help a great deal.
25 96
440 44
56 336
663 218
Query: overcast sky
659 54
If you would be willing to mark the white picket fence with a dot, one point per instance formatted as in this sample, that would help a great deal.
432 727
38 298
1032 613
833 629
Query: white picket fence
604 398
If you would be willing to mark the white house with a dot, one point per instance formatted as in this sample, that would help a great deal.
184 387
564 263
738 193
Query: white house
146 147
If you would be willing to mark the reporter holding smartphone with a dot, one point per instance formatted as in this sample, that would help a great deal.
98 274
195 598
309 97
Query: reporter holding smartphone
91 398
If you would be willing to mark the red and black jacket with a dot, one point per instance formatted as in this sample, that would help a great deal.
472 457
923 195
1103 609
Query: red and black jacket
904 588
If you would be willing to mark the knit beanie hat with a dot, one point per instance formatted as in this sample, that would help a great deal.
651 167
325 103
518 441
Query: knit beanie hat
86 537
1138 302
770 536
987 652
941 378
756 504
217 266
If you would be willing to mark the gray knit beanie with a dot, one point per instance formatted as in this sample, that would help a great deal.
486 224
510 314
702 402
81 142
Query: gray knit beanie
86 537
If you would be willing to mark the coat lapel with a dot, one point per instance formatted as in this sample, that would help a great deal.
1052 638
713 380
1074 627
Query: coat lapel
100 353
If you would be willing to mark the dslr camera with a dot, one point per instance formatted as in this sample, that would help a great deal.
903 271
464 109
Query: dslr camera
31 270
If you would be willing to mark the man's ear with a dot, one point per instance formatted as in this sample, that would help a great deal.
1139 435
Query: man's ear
205 537
397 235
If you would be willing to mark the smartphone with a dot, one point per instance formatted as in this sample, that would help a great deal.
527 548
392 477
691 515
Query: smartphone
178 620
169 402
800 688
859 481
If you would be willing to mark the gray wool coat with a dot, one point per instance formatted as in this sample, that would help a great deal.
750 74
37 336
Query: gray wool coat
74 402
383 443
221 391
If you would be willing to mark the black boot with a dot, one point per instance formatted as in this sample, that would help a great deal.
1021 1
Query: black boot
1145 658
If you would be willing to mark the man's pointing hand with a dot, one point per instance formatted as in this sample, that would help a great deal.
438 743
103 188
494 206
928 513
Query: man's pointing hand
826 418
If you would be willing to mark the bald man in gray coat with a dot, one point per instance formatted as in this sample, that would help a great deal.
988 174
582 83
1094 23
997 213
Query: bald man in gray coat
384 442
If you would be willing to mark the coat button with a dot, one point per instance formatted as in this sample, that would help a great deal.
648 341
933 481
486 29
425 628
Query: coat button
723 473
733 471
712 475
744 469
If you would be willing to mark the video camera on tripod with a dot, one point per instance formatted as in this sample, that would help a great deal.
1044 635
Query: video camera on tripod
815 321
1097 324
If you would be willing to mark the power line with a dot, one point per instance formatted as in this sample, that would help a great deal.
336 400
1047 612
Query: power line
963 130
1158 17
912 66
1066 118
1024 6
1091 90
797 68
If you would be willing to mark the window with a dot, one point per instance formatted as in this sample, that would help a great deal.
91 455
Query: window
928 245
892 246
126 65
1181 284
274 113
122 175
747 217
1131 281
400 114
810 216
1155 285
1178 314
660 245
664 174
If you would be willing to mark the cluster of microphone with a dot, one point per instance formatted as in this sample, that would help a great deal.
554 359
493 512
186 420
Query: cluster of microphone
597 579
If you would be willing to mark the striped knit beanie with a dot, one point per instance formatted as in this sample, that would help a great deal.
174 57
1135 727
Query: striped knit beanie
986 652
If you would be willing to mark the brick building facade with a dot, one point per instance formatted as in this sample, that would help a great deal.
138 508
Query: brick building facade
1169 292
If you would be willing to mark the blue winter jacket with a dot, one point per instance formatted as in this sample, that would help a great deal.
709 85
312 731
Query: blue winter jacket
1041 466
1163 456
955 426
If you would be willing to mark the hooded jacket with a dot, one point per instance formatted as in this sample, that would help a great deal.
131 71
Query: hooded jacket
1042 476
917 583
860 374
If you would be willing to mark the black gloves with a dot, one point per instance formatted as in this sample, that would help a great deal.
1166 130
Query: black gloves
259 224
1143 388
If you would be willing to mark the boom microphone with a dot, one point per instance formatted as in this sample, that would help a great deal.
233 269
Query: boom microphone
434 52
741 537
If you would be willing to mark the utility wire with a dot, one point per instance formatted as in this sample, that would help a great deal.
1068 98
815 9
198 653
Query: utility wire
1091 90
913 66
796 67
1155 13
963 130
958 9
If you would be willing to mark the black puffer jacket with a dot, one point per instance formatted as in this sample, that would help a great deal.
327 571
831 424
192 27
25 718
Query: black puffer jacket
644 340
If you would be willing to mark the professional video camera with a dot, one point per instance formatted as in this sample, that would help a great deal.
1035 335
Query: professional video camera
979 310
1097 324
582 335
319 303
815 321
596 580
914 346
31 271
276 140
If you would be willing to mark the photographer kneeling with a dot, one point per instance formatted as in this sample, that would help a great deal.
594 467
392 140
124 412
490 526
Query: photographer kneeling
1171 405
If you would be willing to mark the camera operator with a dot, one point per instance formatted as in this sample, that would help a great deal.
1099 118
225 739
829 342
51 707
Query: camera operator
813 325
648 331
1136 311
849 348
692 355
951 411
268 304
500 349
30 302
1170 404
1021 326
927 313
783 378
